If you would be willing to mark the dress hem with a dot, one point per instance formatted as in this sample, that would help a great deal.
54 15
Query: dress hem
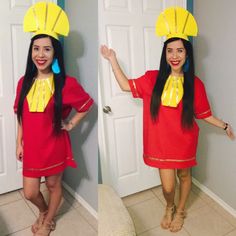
53 171
169 164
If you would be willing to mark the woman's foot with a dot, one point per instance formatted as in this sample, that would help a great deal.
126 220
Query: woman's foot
178 221
46 228
38 223
168 217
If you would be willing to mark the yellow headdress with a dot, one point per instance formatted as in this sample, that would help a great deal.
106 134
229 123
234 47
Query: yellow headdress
176 22
46 18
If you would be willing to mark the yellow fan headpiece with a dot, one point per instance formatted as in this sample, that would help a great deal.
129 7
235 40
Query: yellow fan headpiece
176 22
46 18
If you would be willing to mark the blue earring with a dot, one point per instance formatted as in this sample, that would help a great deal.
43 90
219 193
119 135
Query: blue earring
55 66
186 65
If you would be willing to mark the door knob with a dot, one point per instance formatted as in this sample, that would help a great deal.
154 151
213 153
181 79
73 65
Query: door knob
106 109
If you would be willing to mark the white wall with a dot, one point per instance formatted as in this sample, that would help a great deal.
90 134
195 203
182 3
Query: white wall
81 61
215 59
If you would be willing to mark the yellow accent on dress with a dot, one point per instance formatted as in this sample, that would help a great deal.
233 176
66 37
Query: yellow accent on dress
176 22
40 94
173 91
46 18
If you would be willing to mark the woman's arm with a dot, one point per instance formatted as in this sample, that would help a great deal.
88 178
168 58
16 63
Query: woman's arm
221 124
75 120
19 143
121 78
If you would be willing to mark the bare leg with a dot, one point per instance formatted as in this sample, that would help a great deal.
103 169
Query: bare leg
168 187
55 190
33 194
185 179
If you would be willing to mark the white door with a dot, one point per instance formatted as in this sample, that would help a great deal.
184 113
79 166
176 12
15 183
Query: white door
14 45
128 26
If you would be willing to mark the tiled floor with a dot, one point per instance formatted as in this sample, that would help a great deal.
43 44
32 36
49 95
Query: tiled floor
205 217
17 215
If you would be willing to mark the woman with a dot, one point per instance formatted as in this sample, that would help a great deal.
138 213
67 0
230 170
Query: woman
172 98
45 98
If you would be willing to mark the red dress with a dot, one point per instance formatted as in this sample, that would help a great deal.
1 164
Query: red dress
46 154
166 144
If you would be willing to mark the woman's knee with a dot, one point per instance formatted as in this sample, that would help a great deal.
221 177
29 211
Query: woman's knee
184 174
168 190
31 194
53 185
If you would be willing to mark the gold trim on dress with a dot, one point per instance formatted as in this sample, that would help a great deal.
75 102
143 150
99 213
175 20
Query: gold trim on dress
84 104
168 160
199 114
47 168
135 88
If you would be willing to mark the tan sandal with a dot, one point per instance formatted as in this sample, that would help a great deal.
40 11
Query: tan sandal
178 221
46 228
168 217
38 223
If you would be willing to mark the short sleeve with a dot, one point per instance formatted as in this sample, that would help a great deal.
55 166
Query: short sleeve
18 90
75 96
201 104
143 85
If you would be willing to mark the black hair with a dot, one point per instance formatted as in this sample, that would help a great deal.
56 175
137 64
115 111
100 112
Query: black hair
164 72
59 81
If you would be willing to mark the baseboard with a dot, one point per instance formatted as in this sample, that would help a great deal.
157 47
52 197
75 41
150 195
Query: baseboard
216 198
81 200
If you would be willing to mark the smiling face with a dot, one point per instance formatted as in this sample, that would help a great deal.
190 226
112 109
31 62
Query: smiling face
176 56
42 54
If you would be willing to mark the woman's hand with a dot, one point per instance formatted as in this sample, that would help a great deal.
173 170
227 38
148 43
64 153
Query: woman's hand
107 53
67 126
221 124
229 132
19 152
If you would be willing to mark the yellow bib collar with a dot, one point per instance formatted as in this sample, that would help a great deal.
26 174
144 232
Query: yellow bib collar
173 91
40 93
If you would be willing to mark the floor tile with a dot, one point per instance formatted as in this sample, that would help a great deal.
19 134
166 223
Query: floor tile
138 197
202 195
73 224
146 215
89 218
71 200
9 197
15 217
25 232
161 232
219 209
205 221
232 233
157 191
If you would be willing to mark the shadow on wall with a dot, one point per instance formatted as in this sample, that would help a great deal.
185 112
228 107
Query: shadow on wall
206 130
80 134
75 39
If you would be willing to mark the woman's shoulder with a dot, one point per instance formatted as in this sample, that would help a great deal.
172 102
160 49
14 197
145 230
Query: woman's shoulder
149 77
20 82
198 81
70 79
151 74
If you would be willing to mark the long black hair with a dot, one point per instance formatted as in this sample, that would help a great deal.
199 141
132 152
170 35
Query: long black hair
164 72
59 81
